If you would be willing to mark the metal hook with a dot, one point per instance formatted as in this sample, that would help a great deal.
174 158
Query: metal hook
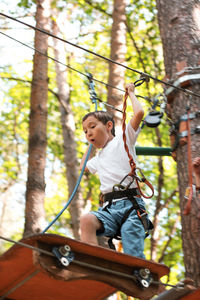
128 185
142 178
141 80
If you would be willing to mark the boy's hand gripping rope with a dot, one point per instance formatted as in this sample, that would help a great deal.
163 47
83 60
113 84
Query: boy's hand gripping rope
133 173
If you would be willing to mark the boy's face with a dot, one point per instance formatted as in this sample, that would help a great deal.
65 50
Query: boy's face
97 133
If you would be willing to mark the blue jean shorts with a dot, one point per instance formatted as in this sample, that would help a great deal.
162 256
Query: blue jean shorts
132 230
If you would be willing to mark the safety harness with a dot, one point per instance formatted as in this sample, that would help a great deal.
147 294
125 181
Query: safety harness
131 194
121 191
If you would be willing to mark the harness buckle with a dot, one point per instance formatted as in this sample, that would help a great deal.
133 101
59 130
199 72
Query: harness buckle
147 224
143 214
118 187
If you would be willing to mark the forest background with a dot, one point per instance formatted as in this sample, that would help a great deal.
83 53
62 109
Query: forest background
89 24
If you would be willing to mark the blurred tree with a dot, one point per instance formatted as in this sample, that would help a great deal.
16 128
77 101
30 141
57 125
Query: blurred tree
118 51
68 129
35 189
179 28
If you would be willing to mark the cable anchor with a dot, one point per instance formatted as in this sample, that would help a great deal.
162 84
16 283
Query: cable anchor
64 255
143 277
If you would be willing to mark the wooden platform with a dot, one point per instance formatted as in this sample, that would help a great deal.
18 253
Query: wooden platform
95 272
192 296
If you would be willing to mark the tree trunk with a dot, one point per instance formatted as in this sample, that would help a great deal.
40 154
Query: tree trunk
35 189
68 129
118 52
180 32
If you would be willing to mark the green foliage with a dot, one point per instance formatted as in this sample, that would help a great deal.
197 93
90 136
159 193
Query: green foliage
25 3
14 131
92 21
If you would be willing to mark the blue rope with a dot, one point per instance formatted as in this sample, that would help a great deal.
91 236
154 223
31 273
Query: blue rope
73 193
76 187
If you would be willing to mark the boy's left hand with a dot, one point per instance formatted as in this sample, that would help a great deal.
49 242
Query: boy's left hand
130 87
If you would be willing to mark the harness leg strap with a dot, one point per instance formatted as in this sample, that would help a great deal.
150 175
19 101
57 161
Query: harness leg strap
142 215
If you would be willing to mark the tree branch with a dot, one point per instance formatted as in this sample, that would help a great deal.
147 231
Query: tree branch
97 7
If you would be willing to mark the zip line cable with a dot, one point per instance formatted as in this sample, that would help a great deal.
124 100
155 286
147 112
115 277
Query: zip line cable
36 50
68 66
103 57
73 69
90 148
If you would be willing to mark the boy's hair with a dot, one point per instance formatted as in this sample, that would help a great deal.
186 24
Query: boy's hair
102 116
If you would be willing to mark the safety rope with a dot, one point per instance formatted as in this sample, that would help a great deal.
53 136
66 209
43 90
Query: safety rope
131 160
103 57
94 100
190 168
73 193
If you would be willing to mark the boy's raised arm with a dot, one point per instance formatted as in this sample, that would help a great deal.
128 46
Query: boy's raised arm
137 107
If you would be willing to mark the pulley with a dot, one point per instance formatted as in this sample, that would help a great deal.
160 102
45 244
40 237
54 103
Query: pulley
153 119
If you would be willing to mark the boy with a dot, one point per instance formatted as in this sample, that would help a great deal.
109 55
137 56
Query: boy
112 165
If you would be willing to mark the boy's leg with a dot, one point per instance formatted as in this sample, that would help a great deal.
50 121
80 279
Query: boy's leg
133 235
89 225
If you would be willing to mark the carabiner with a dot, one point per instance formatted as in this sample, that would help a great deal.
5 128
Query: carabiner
129 184
142 178
142 79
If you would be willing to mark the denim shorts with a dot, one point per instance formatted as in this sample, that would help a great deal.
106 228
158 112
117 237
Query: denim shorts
132 230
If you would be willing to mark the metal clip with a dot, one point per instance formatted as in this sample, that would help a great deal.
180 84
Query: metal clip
122 187
141 80
143 178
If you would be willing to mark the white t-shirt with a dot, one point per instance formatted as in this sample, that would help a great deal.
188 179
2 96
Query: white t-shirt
112 162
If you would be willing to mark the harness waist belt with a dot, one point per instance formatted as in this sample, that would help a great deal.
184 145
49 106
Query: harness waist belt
121 194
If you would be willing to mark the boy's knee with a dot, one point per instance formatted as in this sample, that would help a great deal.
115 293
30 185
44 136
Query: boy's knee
89 225
88 220
84 219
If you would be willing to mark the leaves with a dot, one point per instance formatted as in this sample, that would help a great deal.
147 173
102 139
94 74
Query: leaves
25 3
91 22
